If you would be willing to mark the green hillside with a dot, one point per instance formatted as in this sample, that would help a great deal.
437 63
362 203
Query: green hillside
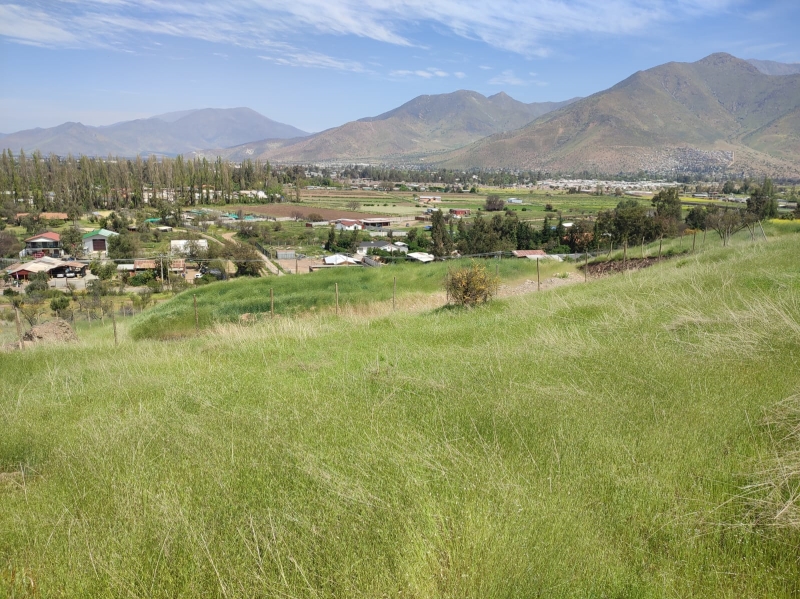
590 441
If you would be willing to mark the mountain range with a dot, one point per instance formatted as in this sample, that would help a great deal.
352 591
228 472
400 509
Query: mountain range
167 134
719 113
423 126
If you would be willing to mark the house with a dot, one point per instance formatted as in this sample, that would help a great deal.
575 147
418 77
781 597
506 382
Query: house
44 244
531 254
188 247
346 224
514 201
376 223
96 242
365 246
47 264
421 257
339 260
428 199
460 211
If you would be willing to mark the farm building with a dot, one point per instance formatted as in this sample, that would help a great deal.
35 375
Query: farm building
421 257
346 224
514 201
376 223
460 211
532 254
428 199
365 246
52 266
339 260
96 242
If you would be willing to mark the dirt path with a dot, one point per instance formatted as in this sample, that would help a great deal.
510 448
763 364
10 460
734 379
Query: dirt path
270 266
530 286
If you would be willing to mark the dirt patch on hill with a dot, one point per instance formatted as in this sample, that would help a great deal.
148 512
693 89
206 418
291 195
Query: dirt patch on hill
284 210
58 331
530 286
600 269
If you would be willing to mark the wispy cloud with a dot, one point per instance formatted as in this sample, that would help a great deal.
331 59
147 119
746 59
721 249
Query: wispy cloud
294 58
525 27
507 77
428 73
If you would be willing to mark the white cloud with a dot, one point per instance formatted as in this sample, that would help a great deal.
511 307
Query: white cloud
314 60
525 27
459 75
507 77
428 73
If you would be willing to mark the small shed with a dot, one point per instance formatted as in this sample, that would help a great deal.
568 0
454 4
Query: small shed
96 242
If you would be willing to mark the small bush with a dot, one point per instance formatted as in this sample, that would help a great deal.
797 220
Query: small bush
471 285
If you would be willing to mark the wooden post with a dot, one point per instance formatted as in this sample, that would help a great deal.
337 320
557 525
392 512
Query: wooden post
196 317
19 327
694 240
610 249
642 247
586 268
394 293
681 239
114 322
704 237
296 271
538 280
271 304
762 230
337 299
660 241
625 255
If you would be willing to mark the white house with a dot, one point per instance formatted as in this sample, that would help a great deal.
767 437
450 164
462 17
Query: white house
422 257
96 242
365 246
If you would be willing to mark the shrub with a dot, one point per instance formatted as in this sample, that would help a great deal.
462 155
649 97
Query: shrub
471 285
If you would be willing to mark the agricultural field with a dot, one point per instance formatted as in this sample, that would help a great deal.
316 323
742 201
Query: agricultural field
621 438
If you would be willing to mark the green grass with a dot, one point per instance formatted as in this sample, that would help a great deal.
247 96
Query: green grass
590 441
226 301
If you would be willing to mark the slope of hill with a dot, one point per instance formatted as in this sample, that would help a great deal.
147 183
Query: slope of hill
770 67
171 133
678 116
425 125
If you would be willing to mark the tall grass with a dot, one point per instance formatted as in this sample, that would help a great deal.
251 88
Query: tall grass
225 302
588 441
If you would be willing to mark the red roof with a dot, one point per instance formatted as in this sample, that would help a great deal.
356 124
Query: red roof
525 253
48 235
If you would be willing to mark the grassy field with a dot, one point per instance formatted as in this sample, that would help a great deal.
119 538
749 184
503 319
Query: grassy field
589 441
358 287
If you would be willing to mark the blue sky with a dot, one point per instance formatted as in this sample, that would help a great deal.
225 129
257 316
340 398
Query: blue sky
319 63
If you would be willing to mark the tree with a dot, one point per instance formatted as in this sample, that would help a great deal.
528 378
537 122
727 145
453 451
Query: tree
122 246
72 242
494 203
471 285
696 219
353 205
247 261
331 239
667 203
441 242
726 222
762 203
9 244
60 305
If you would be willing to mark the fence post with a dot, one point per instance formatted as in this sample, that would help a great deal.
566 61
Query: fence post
271 304
538 279
337 299
196 317
586 268
694 240
114 323
625 255
660 241
394 293
19 327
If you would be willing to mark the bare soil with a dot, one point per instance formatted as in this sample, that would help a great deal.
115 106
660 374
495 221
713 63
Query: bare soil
601 269
57 330
283 210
